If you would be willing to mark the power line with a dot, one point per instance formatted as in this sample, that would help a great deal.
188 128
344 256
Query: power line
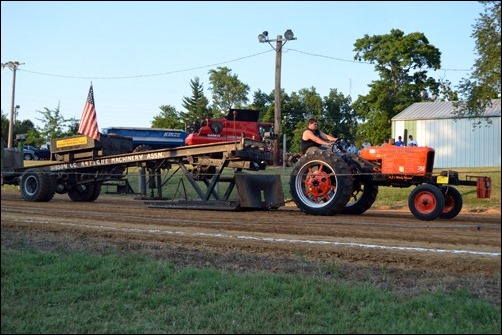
329 57
359 62
212 65
152 74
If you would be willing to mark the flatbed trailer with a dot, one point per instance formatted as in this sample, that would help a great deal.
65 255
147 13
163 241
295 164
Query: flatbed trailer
82 166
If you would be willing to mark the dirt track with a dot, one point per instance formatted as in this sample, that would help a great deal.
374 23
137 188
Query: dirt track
467 247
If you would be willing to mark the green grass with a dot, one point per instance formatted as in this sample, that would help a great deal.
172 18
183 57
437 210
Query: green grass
88 293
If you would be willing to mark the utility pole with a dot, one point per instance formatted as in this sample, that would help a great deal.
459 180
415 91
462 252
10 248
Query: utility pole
13 66
263 37
277 97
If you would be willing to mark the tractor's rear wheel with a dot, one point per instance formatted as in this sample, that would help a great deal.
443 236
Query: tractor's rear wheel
320 183
364 194
452 202
426 202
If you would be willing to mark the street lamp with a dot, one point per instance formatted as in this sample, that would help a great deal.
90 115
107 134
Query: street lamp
263 37
13 66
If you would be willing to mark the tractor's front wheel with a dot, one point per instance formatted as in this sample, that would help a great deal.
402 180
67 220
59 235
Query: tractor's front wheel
426 202
452 202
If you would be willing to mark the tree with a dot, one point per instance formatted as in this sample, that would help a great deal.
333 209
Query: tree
168 118
28 128
294 109
5 128
402 62
333 113
263 102
54 125
228 90
340 117
73 125
197 104
20 127
484 82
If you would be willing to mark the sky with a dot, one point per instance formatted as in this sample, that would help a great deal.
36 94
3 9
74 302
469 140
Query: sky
142 55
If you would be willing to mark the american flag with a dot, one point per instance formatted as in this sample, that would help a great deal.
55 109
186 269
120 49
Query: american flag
88 121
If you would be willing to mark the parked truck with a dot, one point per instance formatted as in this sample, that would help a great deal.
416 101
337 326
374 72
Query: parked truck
144 139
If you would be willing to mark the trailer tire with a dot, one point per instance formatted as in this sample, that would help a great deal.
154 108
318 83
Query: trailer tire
426 202
320 183
84 192
96 193
364 194
37 185
452 202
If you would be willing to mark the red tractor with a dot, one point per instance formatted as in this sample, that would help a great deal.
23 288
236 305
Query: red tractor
237 124
329 182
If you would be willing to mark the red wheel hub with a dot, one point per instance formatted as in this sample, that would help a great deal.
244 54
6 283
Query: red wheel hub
425 202
318 184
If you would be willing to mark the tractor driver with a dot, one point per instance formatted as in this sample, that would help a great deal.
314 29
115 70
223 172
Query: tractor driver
313 137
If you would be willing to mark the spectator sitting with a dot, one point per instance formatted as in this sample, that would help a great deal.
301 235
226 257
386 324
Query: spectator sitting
352 148
366 144
412 142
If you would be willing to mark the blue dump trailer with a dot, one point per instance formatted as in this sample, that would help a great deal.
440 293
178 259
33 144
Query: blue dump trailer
149 138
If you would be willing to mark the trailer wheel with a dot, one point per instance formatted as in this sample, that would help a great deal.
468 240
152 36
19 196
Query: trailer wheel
364 194
37 185
320 183
452 202
426 202
85 192
96 193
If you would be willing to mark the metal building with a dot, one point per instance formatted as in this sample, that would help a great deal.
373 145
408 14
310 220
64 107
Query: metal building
456 142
